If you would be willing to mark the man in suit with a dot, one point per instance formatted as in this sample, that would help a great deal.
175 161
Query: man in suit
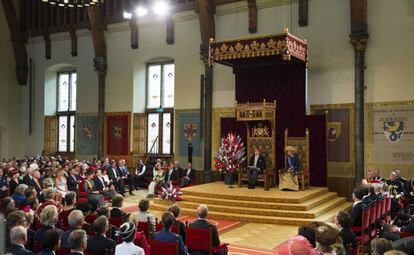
50 242
343 221
18 238
28 179
202 223
126 176
99 243
102 186
73 180
140 174
171 175
178 169
75 221
116 211
189 175
115 177
165 235
358 207
257 164
78 241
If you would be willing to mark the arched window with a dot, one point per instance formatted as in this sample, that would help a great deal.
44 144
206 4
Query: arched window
160 107
66 110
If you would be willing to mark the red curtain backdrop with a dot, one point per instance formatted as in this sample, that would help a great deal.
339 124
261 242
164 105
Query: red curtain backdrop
232 125
117 135
284 82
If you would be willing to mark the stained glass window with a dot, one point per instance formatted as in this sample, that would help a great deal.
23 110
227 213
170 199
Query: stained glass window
166 133
168 86
154 86
66 107
63 133
153 131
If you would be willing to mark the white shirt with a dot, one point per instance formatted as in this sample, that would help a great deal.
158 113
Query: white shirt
256 158
142 170
188 172
128 249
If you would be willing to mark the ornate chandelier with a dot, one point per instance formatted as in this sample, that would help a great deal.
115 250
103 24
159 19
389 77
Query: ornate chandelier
73 3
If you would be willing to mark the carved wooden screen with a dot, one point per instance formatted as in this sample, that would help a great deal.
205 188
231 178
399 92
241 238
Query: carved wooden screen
139 130
50 135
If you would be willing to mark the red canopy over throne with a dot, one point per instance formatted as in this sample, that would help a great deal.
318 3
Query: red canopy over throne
274 67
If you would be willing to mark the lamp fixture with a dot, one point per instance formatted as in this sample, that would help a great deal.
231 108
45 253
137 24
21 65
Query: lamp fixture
158 7
73 3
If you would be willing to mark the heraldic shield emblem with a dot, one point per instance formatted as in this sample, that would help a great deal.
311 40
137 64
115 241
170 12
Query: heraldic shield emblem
393 130
190 131
117 132
334 131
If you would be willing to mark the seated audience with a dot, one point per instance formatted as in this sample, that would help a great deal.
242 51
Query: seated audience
379 246
19 196
358 207
102 186
89 187
165 235
326 238
308 232
17 218
157 180
48 219
405 244
343 221
143 214
61 182
49 196
99 244
8 206
73 179
14 181
18 239
202 223
50 242
78 241
4 185
127 247
116 211
297 245
75 221
376 175
175 210
140 174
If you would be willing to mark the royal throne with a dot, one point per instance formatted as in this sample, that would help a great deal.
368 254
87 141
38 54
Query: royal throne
260 124
302 146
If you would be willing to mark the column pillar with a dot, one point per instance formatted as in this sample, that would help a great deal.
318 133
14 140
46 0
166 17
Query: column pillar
101 66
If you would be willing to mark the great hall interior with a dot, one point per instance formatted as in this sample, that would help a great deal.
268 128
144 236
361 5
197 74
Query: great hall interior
286 125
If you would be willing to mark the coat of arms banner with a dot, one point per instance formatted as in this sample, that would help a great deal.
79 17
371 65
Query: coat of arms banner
391 133
117 133
188 125
86 133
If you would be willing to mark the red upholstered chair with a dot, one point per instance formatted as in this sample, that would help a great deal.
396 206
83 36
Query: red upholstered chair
142 242
117 222
81 192
202 240
406 234
174 228
90 218
364 238
158 226
146 228
379 209
164 248
63 251
388 209
372 221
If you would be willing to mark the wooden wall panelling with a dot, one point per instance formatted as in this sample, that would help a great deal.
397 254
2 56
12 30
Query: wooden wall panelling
50 135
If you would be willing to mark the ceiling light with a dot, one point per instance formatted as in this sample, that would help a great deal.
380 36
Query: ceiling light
160 8
141 11
127 15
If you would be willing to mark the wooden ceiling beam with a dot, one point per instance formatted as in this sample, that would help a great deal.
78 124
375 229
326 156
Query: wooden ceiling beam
97 27
18 41
134 33
252 7
303 13
206 10
169 23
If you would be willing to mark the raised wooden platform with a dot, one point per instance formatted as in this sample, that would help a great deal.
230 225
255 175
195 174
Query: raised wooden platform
260 206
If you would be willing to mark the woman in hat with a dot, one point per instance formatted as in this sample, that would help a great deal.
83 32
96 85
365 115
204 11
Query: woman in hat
127 247
287 178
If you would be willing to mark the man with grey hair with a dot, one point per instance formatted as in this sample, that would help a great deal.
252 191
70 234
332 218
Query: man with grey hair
75 221
49 196
78 242
202 223
18 238
99 244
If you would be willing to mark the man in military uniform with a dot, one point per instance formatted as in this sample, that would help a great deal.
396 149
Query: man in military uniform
396 190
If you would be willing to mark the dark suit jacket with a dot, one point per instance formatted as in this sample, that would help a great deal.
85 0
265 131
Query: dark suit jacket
111 173
29 181
405 244
348 237
261 162
409 227
18 250
180 171
64 239
356 213
72 184
98 243
98 183
368 201
117 213
40 233
173 177
167 236
45 253
202 224
192 175
13 185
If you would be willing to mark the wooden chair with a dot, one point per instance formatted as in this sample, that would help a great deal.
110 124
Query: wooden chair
302 146
268 177
165 248
363 238
202 240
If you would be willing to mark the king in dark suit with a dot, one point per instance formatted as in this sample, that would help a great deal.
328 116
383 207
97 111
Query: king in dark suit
257 164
